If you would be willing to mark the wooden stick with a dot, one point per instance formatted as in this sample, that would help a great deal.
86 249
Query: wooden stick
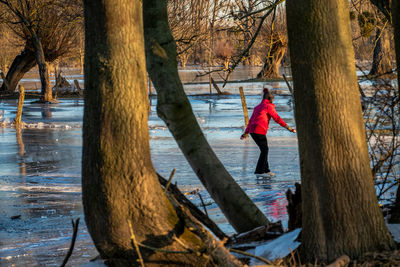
135 244
149 82
71 247
17 120
170 179
244 106
288 84
253 256
202 203
340 262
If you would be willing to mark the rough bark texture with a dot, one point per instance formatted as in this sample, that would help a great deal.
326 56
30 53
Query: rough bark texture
273 60
395 217
21 65
381 62
25 61
119 183
340 209
46 91
174 108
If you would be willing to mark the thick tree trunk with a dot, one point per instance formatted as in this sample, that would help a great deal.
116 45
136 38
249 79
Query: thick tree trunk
119 184
273 59
21 65
381 63
174 108
46 91
340 209
396 25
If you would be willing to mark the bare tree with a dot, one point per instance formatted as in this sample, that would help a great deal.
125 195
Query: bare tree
337 185
49 30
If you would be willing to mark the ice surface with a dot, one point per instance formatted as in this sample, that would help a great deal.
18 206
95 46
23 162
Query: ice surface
41 166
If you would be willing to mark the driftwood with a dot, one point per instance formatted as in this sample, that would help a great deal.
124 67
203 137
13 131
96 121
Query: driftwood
196 212
294 207
262 233
342 261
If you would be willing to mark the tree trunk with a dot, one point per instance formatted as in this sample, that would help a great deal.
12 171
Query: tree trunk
340 209
46 91
21 65
381 63
119 184
273 60
395 217
174 108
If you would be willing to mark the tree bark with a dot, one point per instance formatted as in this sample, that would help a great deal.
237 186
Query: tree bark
46 91
21 65
340 209
395 212
273 59
119 183
174 108
381 62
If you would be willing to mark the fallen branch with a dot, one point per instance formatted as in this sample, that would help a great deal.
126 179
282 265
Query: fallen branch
198 214
170 180
269 263
340 262
71 248
135 244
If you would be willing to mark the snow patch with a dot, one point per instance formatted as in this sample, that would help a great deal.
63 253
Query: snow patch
279 247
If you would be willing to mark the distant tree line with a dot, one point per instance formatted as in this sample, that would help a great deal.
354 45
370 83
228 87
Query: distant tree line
215 33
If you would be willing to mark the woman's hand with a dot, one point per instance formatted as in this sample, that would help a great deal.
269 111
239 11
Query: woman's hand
243 136
290 129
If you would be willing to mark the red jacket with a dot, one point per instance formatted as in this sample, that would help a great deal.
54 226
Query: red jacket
259 120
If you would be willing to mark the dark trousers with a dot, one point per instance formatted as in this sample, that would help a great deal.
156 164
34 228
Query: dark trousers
262 164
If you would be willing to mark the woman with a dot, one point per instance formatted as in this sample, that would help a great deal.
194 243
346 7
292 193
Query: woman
258 127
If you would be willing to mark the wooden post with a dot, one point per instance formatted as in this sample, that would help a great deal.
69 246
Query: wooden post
3 77
244 105
17 120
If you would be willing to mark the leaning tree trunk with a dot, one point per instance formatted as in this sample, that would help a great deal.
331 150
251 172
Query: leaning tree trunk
340 208
381 63
46 91
119 184
395 217
273 59
21 65
174 108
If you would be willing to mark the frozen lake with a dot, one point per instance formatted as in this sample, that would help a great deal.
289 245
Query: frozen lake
40 169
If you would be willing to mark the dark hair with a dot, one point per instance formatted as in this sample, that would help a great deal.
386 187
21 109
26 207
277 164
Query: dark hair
268 95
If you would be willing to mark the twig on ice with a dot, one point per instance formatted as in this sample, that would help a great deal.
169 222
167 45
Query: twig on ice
71 248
